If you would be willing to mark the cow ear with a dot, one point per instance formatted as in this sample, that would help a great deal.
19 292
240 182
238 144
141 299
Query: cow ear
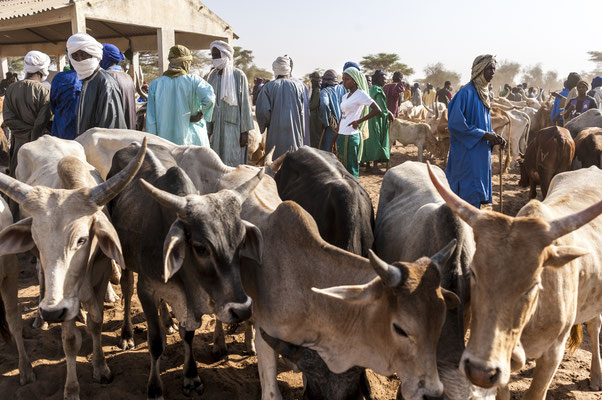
174 250
16 238
253 245
356 294
108 241
557 256
451 299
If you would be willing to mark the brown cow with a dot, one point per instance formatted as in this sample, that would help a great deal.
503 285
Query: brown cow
550 153
588 148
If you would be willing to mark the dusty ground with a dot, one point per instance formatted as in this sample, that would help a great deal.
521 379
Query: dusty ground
230 378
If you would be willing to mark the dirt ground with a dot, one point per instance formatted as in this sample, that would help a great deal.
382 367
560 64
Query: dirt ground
234 376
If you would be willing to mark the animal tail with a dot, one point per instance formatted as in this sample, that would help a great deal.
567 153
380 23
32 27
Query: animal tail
4 331
575 338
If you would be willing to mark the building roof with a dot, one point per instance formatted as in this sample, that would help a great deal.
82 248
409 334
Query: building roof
20 8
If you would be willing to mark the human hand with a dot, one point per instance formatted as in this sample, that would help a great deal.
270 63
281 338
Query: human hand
354 124
197 117
244 139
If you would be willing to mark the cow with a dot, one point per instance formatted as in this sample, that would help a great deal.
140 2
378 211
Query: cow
407 132
589 119
11 323
533 277
413 221
550 153
389 321
588 148
75 241
185 248
341 207
540 120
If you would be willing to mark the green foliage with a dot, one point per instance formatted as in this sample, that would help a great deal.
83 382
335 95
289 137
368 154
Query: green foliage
505 72
243 59
387 62
15 64
436 74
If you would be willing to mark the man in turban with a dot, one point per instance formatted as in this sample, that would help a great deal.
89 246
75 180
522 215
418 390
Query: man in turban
471 137
27 105
111 57
331 95
64 95
394 92
100 103
281 108
232 119
180 103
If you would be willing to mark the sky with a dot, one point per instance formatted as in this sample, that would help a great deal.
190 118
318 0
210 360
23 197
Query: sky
327 33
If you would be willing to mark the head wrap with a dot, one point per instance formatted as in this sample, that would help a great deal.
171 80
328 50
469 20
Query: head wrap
362 84
377 74
87 44
180 59
585 83
329 78
36 61
258 81
351 64
597 82
478 79
228 91
282 66
110 55
572 80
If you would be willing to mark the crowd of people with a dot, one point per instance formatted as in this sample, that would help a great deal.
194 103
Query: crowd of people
349 117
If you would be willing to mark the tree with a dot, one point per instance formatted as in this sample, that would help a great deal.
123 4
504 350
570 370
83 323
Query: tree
533 75
551 81
15 64
505 73
243 59
387 62
255 72
436 74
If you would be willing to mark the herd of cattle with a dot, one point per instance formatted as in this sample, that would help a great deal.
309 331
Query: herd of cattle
294 248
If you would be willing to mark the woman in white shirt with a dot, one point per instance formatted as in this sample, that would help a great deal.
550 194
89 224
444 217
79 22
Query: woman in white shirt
357 107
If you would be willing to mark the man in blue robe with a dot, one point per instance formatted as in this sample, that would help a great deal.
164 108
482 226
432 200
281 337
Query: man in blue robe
64 94
330 108
471 137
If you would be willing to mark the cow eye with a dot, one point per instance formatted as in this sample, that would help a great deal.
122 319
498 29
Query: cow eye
201 249
81 241
399 331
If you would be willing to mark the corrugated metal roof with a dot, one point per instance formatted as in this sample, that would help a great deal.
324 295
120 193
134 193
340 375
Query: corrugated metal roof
21 8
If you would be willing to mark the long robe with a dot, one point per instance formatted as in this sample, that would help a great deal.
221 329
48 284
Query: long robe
330 108
469 163
171 103
100 104
228 122
376 147
315 125
281 109
26 112
65 90
393 91
128 96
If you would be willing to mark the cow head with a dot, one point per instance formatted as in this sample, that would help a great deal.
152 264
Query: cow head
408 308
67 226
510 256
205 243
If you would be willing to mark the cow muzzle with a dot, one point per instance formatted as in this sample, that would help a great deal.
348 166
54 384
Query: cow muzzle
63 311
481 374
236 312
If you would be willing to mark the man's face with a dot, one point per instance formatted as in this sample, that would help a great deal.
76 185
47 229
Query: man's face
80 55
215 53
581 89
379 80
489 72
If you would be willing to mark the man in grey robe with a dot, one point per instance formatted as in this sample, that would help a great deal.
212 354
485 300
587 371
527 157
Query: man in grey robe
281 108
111 57
232 119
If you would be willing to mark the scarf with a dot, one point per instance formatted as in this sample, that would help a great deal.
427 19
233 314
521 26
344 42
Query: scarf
329 79
36 61
87 44
226 64
478 79
110 55
180 59
282 66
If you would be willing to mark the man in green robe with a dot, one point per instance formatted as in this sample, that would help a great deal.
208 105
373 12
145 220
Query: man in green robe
376 147
232 119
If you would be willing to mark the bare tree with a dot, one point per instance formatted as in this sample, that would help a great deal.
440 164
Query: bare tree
436 74
505 73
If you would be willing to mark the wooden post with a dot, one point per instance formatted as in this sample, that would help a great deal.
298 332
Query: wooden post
3 67
166 38
78 19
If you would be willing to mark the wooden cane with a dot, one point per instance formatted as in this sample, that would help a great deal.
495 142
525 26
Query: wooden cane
501 174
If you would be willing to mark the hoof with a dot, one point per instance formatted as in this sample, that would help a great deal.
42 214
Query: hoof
219 351
595 386
103 375
127 344
193 385
27 376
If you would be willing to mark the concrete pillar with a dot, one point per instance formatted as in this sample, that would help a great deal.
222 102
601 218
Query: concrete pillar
3 67
166 38
61 61
78 19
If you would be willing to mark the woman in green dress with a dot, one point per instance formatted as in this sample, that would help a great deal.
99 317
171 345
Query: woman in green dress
376 147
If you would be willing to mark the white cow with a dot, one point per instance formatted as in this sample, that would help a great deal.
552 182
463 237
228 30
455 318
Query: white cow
407 132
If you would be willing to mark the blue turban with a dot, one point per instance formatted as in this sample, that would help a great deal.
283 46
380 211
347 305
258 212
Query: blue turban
110 55
597 82
351 64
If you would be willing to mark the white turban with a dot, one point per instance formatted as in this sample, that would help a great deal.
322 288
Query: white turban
87 44
36 61
282 66
228 91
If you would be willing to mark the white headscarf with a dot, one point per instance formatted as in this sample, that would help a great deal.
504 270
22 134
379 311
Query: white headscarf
86 43
226 64
282 66
36 61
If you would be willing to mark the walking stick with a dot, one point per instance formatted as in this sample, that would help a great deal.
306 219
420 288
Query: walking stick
501 175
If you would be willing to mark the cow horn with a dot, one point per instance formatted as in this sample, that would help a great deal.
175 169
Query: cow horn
390 275
14 188
268 157
244 190
103 193
464 210
277 164
166 199
564 225
443 255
